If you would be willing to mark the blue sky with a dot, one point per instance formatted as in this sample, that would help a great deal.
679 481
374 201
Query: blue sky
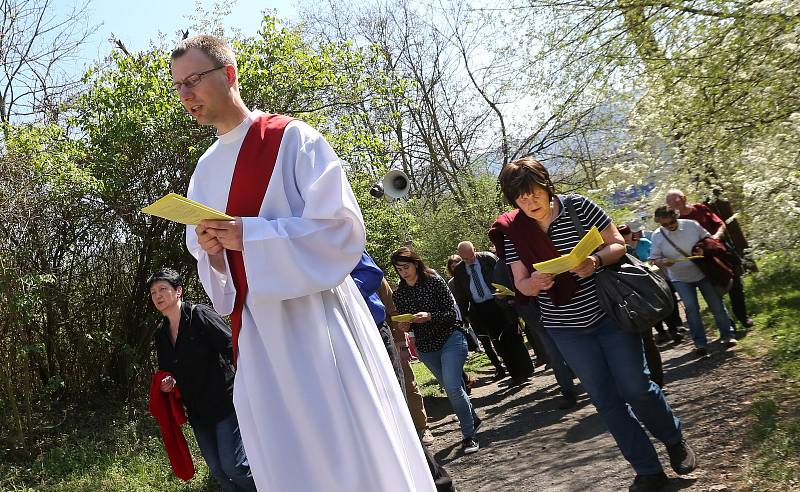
138 22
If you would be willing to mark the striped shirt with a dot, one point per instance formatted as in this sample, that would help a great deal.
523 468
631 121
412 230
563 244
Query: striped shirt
584 310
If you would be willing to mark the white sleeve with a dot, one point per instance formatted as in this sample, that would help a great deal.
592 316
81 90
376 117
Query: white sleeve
221 292
702 233
292 257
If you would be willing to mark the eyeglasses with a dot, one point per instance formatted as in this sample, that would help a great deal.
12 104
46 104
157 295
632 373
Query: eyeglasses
671 223
535 195
194 79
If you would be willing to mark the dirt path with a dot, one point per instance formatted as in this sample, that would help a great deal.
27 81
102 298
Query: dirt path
528 444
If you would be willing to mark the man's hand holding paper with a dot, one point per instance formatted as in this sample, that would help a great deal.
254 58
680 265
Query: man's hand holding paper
216 235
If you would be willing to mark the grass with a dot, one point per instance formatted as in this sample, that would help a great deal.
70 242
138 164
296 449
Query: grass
113 449
773 294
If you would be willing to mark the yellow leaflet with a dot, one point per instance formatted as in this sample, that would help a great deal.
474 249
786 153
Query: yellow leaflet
564 263
403 318
183 210
503 290
686 258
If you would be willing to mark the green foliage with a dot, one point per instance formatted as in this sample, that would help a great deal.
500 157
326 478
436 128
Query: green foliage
127 456
774 436
442 222
329 85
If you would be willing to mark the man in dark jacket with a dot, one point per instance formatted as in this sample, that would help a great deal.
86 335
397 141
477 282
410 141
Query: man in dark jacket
472 288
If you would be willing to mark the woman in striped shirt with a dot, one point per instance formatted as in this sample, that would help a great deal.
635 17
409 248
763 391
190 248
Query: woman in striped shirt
609 362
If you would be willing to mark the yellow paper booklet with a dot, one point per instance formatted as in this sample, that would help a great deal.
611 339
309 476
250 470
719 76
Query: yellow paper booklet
686 258
182 210
403 318
503 290
564 263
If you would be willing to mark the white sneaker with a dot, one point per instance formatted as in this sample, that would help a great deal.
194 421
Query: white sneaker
729 341
469 445
425 437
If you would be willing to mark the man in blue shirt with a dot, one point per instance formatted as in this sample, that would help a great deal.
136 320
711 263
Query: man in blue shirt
368 277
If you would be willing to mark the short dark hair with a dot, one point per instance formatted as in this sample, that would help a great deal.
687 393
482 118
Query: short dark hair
663 212
452 261
520 176
408 255
213 47
168 275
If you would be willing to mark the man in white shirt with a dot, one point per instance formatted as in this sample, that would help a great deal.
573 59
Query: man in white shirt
673 242
318 402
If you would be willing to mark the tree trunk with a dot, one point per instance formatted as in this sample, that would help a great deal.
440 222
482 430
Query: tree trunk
16 417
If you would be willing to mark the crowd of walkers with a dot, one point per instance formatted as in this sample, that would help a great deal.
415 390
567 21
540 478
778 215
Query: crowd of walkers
560 314
310 386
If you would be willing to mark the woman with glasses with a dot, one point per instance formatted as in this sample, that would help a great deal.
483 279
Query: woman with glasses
609 361
673 242
441 342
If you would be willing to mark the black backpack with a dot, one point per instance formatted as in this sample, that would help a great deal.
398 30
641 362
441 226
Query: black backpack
634 296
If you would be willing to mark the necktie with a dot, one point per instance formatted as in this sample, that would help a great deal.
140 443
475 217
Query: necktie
476 281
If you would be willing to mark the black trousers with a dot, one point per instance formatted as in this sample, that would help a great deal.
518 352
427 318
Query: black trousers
653 358
673 321
487 317
536 344
736 294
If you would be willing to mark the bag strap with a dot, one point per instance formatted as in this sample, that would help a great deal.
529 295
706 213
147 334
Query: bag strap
573 214
679 250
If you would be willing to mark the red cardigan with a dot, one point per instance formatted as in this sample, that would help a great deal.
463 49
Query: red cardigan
533 245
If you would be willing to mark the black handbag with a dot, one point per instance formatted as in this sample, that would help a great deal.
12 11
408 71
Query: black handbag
629 292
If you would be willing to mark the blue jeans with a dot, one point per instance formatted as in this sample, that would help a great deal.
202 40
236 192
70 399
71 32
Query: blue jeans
611 365
688 293
221 446
560 369
447 365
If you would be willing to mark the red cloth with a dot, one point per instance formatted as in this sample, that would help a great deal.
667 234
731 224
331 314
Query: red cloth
705 217
251 176
533 245
168 411
716 262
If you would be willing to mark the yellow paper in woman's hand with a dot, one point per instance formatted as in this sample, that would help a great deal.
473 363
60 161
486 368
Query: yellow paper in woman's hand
403 318
503 290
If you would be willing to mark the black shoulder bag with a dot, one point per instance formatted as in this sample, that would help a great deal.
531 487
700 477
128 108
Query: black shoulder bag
628 291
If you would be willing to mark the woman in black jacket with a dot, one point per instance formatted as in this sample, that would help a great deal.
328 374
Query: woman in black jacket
193 343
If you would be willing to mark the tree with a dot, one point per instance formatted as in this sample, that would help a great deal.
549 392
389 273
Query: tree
36 50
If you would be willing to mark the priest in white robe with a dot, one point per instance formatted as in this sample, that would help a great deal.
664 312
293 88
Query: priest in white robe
316 397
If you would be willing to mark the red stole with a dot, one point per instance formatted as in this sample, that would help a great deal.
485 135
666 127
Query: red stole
533 245
251 176
167 409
